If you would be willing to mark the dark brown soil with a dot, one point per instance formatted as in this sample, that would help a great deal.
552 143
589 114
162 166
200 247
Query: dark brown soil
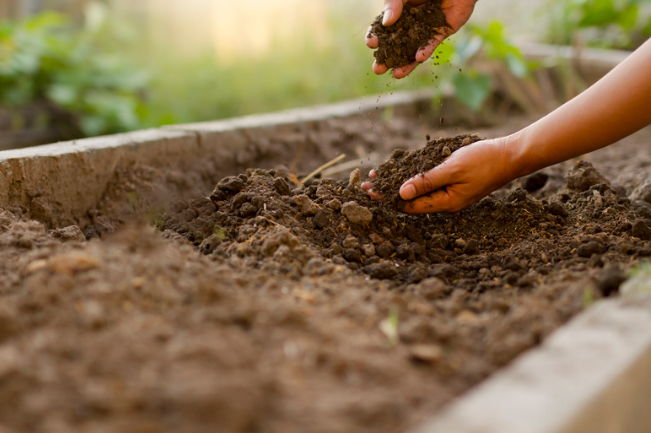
399 43
403 165
268 307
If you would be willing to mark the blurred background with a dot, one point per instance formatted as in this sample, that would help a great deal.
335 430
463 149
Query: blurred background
72 68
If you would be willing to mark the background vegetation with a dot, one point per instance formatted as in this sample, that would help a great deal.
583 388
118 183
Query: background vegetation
117 74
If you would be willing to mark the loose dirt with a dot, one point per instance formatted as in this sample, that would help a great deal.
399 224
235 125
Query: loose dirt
264 306
399 43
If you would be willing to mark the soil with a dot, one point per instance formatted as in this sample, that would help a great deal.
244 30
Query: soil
399 43
403 165
264 306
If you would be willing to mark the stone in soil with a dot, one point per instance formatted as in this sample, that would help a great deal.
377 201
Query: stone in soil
399 43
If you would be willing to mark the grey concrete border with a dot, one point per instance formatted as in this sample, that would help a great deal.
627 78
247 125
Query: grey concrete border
601 59
591 63
593 375
69 178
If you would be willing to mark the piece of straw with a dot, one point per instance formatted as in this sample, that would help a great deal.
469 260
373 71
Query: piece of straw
323 167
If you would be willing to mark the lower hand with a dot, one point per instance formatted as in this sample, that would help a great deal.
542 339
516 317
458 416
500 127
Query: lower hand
457 13
467 176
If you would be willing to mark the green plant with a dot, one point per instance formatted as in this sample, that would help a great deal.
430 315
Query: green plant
639 280
389 326
601 23
44 58
454 61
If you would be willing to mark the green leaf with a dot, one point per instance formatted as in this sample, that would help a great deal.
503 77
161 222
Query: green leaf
472 88
63 94
597 13
467 48
628 17
517 65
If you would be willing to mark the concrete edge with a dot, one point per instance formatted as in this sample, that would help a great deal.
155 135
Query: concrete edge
595 56
593 375
310 114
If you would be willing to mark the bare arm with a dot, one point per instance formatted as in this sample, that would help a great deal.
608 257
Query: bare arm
616 106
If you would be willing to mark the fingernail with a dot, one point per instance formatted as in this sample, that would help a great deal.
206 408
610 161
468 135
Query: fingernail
407 192
388 14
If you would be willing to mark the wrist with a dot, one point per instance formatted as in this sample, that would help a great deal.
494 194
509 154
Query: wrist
519 153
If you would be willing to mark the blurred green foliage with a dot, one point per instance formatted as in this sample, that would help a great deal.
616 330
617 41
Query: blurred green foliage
623 24
203 87
114 78
471 86
46 58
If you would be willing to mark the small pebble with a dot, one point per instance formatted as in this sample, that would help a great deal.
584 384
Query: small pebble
354 177
356 213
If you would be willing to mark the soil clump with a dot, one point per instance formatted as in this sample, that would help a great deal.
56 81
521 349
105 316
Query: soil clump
399 43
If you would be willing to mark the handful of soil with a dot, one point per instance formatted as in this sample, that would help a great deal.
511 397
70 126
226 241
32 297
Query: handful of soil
403 165
399 43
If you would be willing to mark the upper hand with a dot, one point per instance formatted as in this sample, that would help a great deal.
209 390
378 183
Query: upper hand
467 176
457 13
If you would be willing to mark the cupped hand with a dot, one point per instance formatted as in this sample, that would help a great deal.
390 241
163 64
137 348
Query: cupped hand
467 176
457 13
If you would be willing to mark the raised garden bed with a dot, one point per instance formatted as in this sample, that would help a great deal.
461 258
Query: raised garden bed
274 317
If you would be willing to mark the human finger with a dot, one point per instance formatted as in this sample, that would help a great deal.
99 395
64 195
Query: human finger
425 53
403 71
371 40
368 187
437 201
425 183
379 69
392 11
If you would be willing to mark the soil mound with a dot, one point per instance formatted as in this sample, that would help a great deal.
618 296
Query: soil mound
505 239
399 42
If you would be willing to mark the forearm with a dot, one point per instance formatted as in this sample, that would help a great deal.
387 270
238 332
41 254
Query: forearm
615 107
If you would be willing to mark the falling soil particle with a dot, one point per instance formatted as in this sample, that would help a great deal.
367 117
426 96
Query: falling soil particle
399 43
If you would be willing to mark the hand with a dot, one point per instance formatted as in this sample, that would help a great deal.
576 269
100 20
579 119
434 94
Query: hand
457 13
467 176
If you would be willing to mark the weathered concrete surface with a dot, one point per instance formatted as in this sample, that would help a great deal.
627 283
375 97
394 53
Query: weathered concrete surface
593 375
249 139
59 183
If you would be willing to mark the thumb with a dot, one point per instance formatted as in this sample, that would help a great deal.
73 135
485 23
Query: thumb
392 11
424 183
